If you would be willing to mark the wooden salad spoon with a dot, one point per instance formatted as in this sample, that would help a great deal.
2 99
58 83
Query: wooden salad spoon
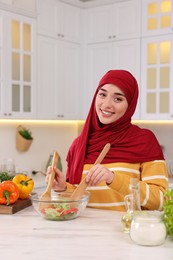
83 184
46 196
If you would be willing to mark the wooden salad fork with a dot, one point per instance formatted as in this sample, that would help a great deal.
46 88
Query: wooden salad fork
46 196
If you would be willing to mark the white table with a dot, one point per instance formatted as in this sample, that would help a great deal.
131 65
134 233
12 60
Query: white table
97 234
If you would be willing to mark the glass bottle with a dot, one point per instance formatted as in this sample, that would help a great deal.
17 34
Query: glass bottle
132 203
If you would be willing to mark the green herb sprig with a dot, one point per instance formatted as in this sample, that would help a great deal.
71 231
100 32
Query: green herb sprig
4 176
26 133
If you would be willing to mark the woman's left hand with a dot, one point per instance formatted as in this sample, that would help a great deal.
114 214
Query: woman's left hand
97 174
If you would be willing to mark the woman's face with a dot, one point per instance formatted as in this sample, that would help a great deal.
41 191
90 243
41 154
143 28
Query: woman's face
111 104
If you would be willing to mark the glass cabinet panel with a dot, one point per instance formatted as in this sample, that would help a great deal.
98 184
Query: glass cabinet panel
21 66
157 87
15 66
17 62
165 6
26 37
165 48
158 76
152 8
27 68
157 17
152 53
159 21
152 21
151 103
16 98
165 22
164 77
0 63
27 99
15 34
151 78
164 102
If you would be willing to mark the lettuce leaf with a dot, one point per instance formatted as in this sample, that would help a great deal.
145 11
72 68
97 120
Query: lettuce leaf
168 211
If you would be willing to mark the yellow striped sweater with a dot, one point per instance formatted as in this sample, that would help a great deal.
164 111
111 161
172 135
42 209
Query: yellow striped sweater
153 180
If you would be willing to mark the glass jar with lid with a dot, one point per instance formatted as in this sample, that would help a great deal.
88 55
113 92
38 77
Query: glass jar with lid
148 228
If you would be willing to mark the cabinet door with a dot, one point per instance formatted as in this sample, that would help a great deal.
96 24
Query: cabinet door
47 71
98 63
157 79
157 17
68 22
127 19
98 24
59 20
47 17
103 57
67 87
18 67
1 62
126 56
58 77
113 22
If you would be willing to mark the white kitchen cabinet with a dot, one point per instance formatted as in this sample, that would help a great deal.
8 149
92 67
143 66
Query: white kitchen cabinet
157 78
59 20
103 57
115 21
157 17
17 66
1 59
58 79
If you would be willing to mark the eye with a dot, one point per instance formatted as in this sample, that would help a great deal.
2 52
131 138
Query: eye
118 99
101 94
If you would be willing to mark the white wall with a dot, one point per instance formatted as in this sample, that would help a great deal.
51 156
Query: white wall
47 136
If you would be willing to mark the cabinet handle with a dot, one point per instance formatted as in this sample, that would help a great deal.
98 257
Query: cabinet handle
59 34
62 35
60 116
114 36
7 114
110 37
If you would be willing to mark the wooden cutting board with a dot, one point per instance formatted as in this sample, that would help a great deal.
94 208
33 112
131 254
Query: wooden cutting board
17 206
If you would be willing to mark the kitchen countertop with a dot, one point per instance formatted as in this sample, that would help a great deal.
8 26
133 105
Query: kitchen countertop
96 234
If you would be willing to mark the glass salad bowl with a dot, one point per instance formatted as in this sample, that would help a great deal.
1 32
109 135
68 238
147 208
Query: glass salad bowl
60 206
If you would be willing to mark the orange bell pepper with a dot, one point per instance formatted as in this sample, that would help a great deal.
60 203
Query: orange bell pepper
9 192
25 185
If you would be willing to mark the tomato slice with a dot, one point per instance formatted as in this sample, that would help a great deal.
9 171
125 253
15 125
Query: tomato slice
43 211
69 211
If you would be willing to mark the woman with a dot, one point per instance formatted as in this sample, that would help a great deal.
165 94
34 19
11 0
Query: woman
134 152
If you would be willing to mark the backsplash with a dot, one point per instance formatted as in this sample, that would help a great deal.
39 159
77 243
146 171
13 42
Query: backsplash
52 135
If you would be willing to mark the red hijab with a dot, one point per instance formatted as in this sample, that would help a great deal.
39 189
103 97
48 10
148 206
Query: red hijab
129 143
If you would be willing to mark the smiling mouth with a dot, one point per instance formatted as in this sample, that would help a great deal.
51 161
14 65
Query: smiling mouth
107 113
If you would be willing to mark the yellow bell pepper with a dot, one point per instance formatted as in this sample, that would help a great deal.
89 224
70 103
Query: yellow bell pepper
24 184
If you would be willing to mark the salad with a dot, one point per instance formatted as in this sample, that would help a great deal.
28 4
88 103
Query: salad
60 211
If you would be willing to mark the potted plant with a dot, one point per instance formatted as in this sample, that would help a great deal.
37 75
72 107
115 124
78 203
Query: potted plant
23 138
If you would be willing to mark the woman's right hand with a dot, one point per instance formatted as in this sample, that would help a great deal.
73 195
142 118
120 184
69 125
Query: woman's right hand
59 183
